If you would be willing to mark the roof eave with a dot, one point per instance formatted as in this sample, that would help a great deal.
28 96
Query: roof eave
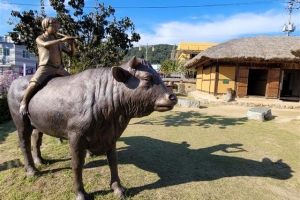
204 61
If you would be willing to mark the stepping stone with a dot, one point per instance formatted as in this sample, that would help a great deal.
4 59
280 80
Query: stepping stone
259 114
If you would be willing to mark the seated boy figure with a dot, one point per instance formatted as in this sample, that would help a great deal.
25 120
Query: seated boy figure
50 58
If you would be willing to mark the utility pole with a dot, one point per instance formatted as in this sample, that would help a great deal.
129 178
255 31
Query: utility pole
146 47
289 28
173 53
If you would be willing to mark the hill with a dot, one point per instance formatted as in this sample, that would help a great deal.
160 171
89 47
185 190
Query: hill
161 52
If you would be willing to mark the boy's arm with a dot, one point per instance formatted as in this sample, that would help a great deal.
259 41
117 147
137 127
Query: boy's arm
43 43
70 51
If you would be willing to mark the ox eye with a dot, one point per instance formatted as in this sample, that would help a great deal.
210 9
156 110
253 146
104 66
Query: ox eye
148 78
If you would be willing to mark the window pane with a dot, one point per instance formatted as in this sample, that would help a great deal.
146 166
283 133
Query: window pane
6 52
25 54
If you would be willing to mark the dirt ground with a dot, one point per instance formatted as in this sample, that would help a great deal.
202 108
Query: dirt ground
279 114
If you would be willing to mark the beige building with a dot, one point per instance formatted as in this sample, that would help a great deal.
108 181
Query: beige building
184 52
187 50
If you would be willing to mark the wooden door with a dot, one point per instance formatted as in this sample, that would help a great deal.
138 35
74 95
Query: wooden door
272 90
242 81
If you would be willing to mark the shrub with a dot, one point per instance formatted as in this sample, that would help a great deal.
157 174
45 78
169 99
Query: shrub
5 81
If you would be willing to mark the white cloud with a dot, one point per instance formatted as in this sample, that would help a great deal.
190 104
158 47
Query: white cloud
218 29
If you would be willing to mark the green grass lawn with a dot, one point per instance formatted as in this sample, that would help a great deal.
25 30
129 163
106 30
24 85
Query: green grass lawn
180 154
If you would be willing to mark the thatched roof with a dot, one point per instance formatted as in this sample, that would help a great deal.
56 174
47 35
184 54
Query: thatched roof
256 49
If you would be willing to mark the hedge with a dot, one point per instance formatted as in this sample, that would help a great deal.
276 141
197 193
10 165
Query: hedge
5 81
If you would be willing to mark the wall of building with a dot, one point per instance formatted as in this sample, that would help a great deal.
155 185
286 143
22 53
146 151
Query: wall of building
199 77
264 82
20 60
226 79
205 79
291 79
183 57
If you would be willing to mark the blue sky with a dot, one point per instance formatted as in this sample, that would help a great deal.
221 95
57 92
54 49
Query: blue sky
171 22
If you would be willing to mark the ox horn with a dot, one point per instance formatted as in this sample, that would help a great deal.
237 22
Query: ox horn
133 62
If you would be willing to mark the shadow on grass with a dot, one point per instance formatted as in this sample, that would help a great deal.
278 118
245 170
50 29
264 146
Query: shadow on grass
177 164
192 118
95 163
16 163
52 161
10 164
5 129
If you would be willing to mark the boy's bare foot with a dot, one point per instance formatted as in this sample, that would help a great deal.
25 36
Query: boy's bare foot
23 109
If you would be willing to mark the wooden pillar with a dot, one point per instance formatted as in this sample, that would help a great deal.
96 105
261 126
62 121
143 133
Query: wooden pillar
216 80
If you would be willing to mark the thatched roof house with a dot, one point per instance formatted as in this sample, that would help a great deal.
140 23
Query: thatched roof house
261 66
256 49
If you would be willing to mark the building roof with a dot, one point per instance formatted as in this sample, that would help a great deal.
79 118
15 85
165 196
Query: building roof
254 49
194 46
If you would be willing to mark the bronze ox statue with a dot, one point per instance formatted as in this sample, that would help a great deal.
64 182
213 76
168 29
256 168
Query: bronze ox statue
90 109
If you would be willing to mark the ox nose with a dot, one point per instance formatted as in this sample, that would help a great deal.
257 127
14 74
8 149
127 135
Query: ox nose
173 98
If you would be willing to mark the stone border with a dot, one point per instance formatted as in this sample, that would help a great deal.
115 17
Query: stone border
251 104
264 103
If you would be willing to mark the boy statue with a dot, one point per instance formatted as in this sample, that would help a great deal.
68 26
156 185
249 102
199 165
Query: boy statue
50 50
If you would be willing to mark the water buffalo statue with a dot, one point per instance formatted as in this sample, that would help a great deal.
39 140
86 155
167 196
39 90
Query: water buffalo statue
91 109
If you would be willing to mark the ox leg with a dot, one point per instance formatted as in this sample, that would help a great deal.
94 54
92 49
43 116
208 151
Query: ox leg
78 151
25 145
113 166
37 137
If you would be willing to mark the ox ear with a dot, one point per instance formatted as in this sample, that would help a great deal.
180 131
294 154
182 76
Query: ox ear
120 74
133 62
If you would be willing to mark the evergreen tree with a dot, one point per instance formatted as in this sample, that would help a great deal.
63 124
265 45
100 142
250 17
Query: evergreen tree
161 52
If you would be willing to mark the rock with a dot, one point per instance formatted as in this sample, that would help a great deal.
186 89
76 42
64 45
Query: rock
188 103
229 96
181 88
226 98
259 114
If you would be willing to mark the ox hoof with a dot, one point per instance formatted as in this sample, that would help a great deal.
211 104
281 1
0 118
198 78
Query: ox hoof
83 196
32 172
119 193
118 190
